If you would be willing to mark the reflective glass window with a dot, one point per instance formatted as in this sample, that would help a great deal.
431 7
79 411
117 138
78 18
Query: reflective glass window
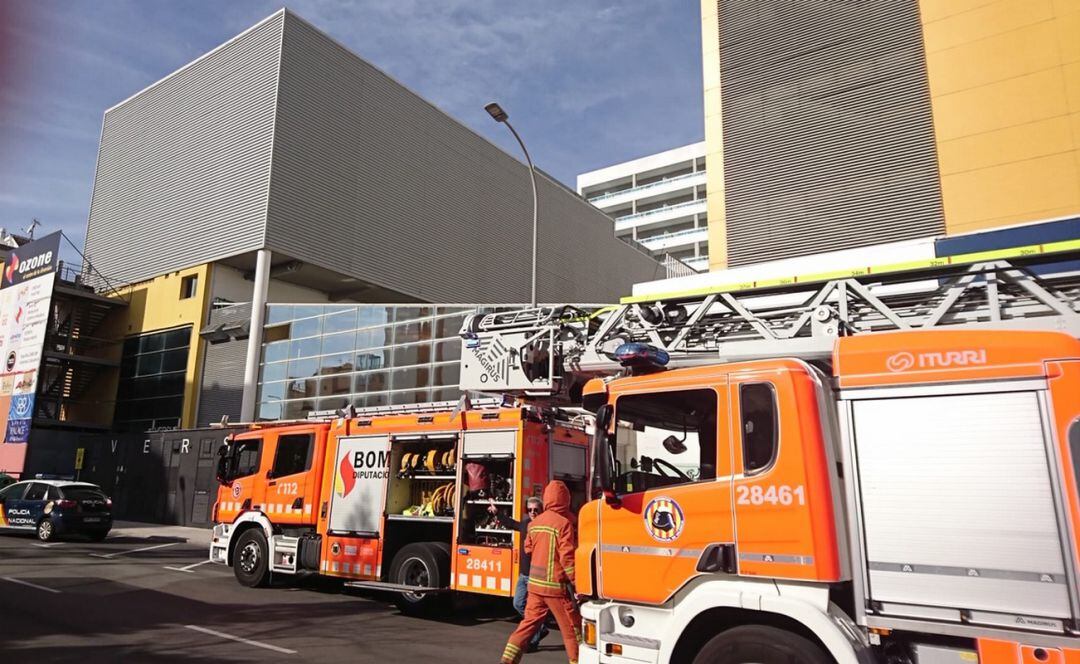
374 338
372 359
307 327
305 347
340 322
299 389
272 392
447 374
297 410
376 381
278 313
446 351
335 385
410 378
411 313
303 368
448 327
279 350
369 316
414 354
275 371
335 364
270 411
339 343
414 396
412 332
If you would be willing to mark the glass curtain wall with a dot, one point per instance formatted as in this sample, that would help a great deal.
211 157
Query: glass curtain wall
153 367
323 357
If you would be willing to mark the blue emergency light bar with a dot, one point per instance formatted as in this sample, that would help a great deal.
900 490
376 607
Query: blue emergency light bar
639 355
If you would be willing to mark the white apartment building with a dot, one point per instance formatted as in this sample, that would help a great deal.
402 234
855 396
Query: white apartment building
658 201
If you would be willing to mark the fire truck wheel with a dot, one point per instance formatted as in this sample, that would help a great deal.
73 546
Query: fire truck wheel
250 559
423 564
761 644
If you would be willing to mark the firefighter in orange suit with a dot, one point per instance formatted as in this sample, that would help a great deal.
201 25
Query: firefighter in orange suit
551 541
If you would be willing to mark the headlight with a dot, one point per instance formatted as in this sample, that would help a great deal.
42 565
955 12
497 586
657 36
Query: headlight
589 633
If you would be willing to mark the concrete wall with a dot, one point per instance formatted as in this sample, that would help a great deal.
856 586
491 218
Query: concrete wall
284 139
371 180
1005 82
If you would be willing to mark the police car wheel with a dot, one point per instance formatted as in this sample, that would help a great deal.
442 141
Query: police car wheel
250 559
45 530
761 644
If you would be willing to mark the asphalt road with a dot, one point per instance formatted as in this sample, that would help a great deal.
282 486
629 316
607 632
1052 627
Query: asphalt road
144 597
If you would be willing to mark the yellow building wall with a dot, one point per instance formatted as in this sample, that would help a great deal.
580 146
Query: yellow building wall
1004 79
155 305
714 134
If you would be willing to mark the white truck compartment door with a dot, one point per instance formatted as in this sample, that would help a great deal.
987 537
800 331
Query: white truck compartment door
958 509
361 471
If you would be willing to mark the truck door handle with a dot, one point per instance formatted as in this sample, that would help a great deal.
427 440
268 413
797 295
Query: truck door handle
718 558
272 483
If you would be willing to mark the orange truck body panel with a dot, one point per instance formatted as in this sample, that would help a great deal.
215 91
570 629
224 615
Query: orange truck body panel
475 568
289 499
803 541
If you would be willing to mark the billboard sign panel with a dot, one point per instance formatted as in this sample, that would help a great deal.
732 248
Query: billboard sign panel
26 286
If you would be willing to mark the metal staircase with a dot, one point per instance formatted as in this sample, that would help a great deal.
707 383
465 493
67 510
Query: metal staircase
550 351
76 355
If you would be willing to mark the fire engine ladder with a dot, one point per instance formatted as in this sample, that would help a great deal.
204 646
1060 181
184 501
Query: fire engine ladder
546 351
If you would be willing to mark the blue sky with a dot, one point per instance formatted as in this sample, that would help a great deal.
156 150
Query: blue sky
587 83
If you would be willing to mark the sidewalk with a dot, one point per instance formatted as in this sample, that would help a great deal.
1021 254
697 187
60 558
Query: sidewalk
194 536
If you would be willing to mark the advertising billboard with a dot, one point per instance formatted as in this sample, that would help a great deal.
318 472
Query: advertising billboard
26 287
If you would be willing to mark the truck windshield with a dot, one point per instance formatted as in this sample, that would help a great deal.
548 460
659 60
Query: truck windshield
664 439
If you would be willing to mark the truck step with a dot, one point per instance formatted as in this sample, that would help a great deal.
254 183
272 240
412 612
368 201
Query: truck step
394 587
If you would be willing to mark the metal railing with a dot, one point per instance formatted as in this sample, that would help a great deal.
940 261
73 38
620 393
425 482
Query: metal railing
645 187
654 240
621 222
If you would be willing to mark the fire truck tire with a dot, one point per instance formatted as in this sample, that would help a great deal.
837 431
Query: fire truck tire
251 559
425 564
761 644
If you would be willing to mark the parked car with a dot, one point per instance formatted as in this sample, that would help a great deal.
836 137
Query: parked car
6 480
56 507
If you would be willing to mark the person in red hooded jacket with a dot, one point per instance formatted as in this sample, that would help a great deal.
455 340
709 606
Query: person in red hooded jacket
551 541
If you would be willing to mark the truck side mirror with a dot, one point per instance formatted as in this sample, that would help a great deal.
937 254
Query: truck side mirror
604 481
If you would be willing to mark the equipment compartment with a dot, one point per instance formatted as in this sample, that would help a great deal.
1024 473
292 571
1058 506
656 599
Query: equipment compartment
958 508
423 478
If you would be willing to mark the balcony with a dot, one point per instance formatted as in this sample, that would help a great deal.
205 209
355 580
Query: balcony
699 263
653 188
659 215
676 239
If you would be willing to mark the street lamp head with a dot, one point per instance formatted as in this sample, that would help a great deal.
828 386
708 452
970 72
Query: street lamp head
496 112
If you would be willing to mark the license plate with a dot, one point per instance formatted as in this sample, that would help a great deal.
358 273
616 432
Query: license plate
91 519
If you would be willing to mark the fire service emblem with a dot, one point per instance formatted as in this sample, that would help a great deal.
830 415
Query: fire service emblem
664 519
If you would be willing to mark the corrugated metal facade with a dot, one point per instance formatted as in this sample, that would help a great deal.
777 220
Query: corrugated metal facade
827 129
367 179
183 166
415 200
222 387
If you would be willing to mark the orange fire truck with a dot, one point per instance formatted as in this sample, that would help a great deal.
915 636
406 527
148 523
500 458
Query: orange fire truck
393 498
875 466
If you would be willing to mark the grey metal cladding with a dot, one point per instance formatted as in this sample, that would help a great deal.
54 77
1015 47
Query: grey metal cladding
827 127
183 166
222 386
372 181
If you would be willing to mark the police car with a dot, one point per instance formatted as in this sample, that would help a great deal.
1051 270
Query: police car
55 507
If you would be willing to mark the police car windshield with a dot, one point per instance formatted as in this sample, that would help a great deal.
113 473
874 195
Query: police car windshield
76 492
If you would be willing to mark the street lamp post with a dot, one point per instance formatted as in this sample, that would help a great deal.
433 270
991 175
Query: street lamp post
499 115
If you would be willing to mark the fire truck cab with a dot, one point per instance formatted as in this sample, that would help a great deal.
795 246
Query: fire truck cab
913 499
